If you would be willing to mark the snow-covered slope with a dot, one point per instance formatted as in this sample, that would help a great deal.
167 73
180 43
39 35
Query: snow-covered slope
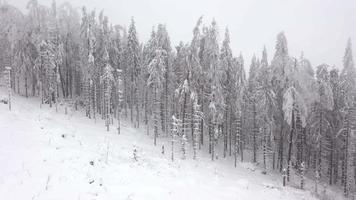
48 155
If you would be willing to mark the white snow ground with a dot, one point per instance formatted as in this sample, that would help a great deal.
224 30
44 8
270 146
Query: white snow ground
46 155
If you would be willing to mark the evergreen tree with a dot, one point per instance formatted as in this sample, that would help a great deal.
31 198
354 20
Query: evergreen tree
240 106
215 97
184 146
228 79
119 86
197 116
184 90
197 80
336 124
281 71
348 78
176 127
155 80
107 81
266 104
133 63
163 43
252 104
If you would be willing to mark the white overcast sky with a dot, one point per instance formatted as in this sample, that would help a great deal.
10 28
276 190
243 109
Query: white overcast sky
319 28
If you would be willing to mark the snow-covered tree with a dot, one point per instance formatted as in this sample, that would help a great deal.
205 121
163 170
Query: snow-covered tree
281 71
266 104
239 105
302 175
238 140
47 77
176 128
196 77
292 104
184 146
156 71
149 53
251 99
163 43
197 116
107 80
229 83
336 124
319 117
119 88
348 78
215 96
133 63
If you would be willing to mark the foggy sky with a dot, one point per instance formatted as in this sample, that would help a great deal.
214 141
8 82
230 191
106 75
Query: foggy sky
319 28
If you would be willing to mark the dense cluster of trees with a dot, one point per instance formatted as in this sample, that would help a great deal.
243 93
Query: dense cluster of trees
286 114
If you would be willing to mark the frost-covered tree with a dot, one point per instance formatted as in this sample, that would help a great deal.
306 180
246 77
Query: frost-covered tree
336 124
348 73
319 122
184 90
163 42
215 96
197 75
134 70
57 52
176 127
229 88
47 76
107 80
119 88
239 106
149 53
306 86
266 104
156 71
348 78
238 140
197 116
281 70
184 146
251 100
293 104
88 60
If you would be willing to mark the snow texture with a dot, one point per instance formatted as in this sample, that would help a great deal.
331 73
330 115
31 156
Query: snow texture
48 155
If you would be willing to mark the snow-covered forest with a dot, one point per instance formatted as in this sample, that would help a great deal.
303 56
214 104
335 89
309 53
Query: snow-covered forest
283 115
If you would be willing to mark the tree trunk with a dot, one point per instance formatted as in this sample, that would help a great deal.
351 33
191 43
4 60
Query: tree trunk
280 150
225 134
230 130
254 133
290 145
264 150
346 157
137 108
183 113
166 102
26 86
202 120
155 103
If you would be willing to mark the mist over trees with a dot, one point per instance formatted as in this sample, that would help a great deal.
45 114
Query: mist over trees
284 114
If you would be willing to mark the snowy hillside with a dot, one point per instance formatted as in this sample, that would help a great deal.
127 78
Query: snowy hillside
48 155
101 105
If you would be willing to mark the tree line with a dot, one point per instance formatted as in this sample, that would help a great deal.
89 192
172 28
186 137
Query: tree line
285 115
